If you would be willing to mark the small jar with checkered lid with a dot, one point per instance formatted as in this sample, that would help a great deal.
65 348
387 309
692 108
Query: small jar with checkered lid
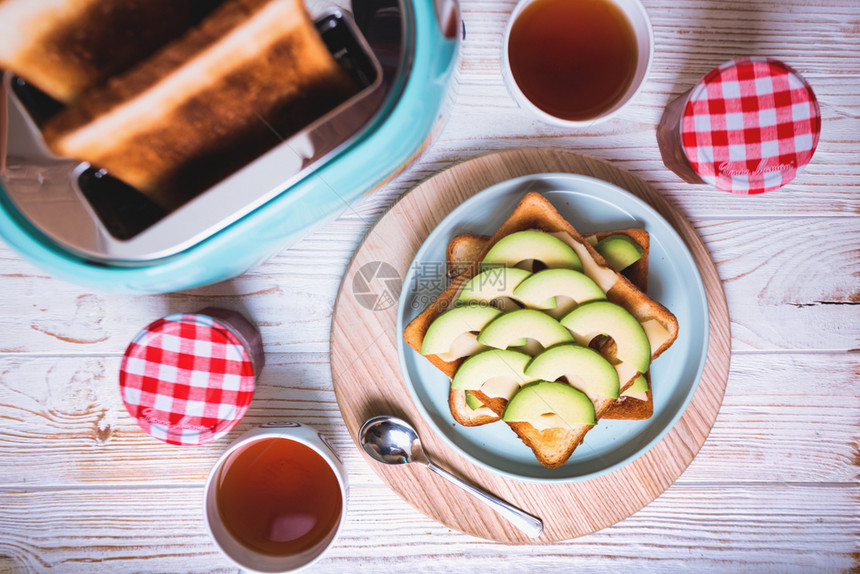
188 378
749 126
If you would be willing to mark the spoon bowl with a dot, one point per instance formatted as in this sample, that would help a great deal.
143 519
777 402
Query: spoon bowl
389 440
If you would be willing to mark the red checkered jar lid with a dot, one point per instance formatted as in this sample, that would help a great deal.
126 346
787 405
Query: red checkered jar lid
187 379
750 126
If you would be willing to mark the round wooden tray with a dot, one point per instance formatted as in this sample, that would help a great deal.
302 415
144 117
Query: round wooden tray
368 382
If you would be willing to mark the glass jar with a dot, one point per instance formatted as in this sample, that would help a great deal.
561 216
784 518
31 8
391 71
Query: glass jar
749 126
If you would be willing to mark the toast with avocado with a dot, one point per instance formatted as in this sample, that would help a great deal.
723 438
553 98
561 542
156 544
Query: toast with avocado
545 344
635 403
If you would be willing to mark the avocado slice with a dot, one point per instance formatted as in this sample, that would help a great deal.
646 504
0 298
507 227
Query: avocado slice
472 402
639 387
496 373
606 318
451 324
514 328
539 291
547 404
584 369
517 248
619 250
491 284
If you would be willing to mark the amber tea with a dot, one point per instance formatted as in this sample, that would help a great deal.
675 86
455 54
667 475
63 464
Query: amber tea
573 59
278 497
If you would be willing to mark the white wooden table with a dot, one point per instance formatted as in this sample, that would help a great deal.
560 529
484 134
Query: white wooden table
775 487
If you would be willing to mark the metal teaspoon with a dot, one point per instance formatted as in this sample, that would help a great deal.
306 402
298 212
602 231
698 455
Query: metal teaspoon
390 440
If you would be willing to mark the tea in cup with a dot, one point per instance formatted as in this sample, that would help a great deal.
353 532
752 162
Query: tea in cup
276 499
576 62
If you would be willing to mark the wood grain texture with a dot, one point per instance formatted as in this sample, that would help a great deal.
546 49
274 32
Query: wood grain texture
63 423
797 272
759 527
774 488
291 296
365 367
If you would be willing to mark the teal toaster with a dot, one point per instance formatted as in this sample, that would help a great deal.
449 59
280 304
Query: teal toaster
77 223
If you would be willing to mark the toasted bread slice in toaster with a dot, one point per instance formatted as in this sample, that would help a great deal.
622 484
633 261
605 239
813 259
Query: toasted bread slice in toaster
65 47
552 446
251 75
462 251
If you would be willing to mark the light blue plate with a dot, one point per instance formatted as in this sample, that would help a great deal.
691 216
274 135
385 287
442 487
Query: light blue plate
590 205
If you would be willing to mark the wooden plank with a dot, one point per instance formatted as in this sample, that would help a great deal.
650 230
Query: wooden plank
45 315
800 289
726 527
785 418
781 297
62 422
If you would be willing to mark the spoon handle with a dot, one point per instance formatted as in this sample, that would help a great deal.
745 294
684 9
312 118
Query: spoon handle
530 525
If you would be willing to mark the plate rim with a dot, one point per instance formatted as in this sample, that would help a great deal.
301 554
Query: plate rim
513 184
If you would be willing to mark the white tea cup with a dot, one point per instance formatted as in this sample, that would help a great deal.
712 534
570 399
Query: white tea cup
643 34
249 556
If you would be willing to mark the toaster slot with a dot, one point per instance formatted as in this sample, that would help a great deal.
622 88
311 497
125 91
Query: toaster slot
117 224
124 212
